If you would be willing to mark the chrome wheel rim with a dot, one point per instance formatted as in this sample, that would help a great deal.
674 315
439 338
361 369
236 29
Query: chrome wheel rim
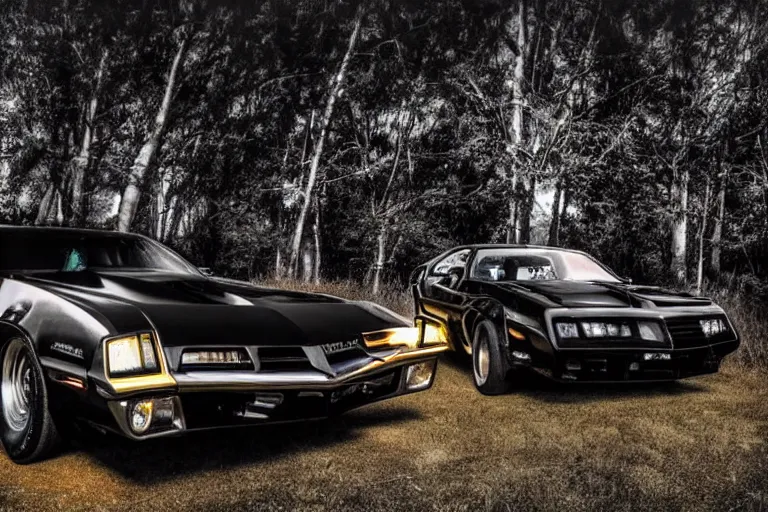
482 360
16 387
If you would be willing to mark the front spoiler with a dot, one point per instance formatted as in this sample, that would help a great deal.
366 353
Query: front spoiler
607 366
305 380
217 399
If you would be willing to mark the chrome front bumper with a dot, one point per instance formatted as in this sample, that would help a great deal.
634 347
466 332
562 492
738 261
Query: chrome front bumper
217 390
238 380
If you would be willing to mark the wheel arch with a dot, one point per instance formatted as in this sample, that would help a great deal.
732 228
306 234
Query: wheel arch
9 331
478 310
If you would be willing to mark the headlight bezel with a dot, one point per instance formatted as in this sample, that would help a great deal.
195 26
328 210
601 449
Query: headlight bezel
592 331
226 358
146 353
708 324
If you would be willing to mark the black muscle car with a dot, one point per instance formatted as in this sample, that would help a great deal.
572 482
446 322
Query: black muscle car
566 316
121 332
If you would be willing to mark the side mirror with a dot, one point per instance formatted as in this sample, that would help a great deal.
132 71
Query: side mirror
206 271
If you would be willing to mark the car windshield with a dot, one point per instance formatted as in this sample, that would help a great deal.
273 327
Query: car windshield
522 264
46 251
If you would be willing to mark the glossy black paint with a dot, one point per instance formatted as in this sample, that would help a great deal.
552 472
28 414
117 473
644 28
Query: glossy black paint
529 306
68 315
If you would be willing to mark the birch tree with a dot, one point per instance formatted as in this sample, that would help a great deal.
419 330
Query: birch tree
130 197
336 83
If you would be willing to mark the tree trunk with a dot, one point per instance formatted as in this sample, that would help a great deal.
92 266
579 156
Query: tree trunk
81 161
317 241
130 200
516 130
679 197
307 263
45 206
175 213
702 234
717 234
336 83
381 240
566 191
526 210
554 224
279 264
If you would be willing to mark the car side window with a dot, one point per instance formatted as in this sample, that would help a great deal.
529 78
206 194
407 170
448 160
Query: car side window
441 274
456 259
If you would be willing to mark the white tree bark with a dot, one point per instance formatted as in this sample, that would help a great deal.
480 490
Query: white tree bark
679 197
307 263
381 240
79 164
335 87
702 234
317 243
130 199
45 205
516 127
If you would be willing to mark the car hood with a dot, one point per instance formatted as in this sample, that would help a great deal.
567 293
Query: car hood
196 310
581 294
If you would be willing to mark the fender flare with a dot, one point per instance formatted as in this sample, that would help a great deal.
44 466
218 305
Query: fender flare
480 309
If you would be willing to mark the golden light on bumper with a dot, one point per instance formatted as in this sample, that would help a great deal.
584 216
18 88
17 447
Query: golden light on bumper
397 337
516 334
423 334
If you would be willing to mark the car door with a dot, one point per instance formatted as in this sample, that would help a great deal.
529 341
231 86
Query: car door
440 292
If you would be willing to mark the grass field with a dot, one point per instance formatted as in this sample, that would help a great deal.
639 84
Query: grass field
695 445
700 444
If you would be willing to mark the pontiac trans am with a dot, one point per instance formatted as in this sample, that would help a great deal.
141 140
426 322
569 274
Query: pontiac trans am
565 315
118 331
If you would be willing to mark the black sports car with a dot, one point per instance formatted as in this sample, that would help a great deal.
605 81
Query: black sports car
121 332
566 316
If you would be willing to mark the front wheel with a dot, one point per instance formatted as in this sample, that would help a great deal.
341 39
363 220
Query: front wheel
27 431
488 369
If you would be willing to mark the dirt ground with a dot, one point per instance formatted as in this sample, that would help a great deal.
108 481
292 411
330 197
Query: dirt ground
700 444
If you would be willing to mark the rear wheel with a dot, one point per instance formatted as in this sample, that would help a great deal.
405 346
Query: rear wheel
488 369
27 430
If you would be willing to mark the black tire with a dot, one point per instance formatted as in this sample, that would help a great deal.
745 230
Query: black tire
489 370
28 433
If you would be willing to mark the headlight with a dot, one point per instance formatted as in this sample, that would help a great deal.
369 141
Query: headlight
132 355
713 327
650 331
217 359
606 330
567 330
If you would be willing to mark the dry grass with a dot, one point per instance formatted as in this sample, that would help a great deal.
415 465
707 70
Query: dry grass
397 299
700 444
697 445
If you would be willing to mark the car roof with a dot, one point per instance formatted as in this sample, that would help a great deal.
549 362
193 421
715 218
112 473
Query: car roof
52 230
512 246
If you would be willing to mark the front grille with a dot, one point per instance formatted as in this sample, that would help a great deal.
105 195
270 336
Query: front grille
279 359
687 332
